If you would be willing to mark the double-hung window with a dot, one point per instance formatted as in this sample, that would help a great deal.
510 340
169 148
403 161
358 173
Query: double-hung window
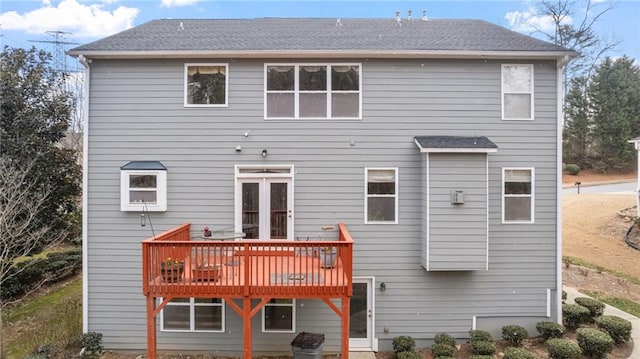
312 91
518 195
517 92
381 197
206 85
193 315
279 316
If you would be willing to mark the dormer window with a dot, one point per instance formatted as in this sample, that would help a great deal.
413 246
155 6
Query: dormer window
143 186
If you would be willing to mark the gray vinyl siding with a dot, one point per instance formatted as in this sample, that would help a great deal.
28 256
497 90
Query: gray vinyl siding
451 245
137 113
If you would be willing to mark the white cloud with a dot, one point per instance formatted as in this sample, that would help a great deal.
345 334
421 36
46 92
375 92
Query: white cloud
528 21
171 3
84 21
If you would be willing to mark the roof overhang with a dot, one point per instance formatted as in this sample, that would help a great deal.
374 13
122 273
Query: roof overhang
382 54
455 144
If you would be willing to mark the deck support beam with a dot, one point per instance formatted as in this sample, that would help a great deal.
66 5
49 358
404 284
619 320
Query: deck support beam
246 319
151 327
344 317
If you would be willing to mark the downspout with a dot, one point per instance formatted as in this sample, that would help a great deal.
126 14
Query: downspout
85 194
561 63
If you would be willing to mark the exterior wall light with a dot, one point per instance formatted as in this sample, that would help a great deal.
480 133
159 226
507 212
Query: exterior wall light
264 153
383 286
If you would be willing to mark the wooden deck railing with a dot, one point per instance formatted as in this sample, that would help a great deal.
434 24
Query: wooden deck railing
176 265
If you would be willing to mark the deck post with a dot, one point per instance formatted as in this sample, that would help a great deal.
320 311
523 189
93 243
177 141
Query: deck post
246 319
151 327
346 301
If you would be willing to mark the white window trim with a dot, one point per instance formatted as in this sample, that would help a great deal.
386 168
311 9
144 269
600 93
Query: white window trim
293 316
226 84
296 92
161 191
531 92
192 316
532 195
366 195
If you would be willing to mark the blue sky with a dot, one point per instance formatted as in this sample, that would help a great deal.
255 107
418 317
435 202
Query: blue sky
88 20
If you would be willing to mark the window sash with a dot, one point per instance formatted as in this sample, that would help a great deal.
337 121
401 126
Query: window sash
194 307
518 204
314 101
214 76
381 195
517 91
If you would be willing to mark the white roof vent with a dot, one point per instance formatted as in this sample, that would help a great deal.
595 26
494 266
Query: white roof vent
409 18
398 19
424 15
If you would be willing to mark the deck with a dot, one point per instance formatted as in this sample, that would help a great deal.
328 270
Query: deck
175 265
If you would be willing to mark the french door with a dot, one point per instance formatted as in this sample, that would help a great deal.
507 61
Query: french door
264 205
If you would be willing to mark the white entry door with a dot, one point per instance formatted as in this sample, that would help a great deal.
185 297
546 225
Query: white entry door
264 206
361 315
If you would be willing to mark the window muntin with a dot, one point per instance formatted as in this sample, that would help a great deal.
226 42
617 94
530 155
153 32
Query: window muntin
312 91
143 190
381 195
279 316
517 92
193 315
518 192
206 85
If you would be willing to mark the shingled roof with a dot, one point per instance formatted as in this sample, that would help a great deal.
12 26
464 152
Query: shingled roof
455 144
316 35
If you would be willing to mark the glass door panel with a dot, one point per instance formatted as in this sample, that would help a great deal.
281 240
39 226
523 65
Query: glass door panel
251 210
278 210
359 311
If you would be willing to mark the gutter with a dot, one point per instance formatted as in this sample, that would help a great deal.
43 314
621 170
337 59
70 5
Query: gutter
316 54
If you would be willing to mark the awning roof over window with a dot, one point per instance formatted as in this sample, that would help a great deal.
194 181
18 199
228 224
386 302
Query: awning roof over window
144 166
450 144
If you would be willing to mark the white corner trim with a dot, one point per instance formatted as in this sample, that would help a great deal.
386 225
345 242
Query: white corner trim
548 303
487 209
85 200
428 211
559 105
474 323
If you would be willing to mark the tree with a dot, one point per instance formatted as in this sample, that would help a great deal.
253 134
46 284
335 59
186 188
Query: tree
35 110
577 133
614 99
573 22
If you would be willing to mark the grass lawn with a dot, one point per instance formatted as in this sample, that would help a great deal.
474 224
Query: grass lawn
49 318
625 305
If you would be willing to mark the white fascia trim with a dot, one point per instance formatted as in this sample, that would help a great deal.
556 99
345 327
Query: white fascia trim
237 54
559 105
85 199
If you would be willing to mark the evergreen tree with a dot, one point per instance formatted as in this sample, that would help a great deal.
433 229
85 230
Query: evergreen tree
577 133
614 99
34 116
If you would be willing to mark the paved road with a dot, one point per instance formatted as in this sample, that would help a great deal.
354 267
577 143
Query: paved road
627 187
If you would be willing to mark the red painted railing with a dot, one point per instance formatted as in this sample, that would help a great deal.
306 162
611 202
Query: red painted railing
176 265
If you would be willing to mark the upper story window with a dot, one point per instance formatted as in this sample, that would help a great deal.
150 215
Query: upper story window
205 85
381 197
313 91
517 92
517 195
143 186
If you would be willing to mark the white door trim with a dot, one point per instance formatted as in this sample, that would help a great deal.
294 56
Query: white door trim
371 342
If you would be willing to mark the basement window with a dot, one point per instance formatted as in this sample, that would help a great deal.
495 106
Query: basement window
193 315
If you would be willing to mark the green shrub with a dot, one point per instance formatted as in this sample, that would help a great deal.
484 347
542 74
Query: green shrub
573 315
481 347
594 343
517 353
92 344
596 307
410 354
444 338
563 349
550 330
480 335
475 356
443 350
564 296
403 344
572 169
514 334
618 328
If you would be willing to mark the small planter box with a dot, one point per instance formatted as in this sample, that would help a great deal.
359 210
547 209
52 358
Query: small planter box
328 256
209 273
172 273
